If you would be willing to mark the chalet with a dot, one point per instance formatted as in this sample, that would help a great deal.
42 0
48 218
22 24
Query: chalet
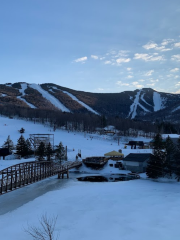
4 152
136 162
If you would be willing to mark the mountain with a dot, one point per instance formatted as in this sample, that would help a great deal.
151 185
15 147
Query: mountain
144 104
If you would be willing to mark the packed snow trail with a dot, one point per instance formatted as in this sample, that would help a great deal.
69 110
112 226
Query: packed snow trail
133 107
81 103
50 98
157 101
23 88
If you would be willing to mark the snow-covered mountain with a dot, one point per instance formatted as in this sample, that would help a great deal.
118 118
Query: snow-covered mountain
144 104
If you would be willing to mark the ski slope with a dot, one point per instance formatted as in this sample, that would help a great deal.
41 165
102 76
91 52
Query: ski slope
49 97
23 88
81 103
157 101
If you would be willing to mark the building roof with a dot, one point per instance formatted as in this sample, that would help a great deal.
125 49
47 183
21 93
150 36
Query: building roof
137 157
114 154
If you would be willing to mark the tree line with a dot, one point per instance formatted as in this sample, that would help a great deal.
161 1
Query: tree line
75 121
165 161
24 149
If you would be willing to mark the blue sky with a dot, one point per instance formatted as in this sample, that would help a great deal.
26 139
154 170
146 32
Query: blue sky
95 46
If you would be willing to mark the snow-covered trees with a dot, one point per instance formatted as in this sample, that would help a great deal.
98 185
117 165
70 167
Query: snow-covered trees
60 152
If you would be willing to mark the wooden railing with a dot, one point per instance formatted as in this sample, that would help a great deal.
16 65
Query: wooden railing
26 173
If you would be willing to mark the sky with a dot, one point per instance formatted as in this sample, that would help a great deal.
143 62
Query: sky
94 46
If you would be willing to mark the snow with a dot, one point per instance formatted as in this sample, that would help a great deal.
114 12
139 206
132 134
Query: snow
175 109
23 88
157 101
49 97
170 135
81 103
133 107
137 209
3 95
145 109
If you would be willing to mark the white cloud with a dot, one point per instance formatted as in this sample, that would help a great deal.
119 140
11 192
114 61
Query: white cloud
174 70
166 49
153 81
166 41
149 73
129 69
129 76
177 44
134 83
94 57
146 57
120 83
139 86
141 80
99 89
169 75
81 59
177 84
150 84
175 57
107 62
123 60
177 76
101 58
150 45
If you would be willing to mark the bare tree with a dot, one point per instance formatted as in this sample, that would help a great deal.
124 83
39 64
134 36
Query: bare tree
46 229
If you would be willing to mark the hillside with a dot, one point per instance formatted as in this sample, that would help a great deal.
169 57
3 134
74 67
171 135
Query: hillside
144 104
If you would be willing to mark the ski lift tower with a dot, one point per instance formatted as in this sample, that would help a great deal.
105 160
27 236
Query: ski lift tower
36 139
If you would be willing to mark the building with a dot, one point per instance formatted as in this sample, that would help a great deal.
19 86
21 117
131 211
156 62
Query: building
133 144
136 162
114 155
4 152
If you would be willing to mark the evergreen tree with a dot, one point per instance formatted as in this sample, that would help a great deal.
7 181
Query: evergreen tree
177 161
49 151
8 144
60 152
169 163
29 148
155 167
41 151
21 147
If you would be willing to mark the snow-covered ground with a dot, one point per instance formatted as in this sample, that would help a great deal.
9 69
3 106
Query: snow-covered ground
23 88
136 209
80 102
49 97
